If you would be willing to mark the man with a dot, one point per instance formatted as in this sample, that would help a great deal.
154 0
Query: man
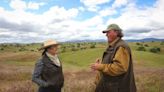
116 68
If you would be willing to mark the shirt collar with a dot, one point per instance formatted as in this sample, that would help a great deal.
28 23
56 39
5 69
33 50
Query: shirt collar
113 42
54 59
51 56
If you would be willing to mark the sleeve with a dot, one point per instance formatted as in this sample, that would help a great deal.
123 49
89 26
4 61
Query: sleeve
37 73
120 63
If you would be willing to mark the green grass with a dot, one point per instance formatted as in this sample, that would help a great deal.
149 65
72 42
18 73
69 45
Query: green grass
16 68
82 58
149 59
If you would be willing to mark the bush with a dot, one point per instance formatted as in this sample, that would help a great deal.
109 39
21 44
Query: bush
155 50
78 45
32 50
73 46
83 48
141 44
137 43
4 45
63 50
141 48
23 49
17 45
146 45
162 43
74 49
92 46
2 49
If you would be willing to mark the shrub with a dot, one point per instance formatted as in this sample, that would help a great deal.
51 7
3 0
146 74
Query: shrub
155 50
137 43
17 45
146 45
63 50
78 45
74 49
92 46
162 43
83 48
2 48
73 46
32 50
141 48
23 49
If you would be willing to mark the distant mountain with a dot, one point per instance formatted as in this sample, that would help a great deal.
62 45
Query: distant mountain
145 40
76 41
99 40
129 40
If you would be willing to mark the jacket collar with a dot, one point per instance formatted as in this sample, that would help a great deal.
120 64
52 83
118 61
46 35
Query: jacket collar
54 59
111 44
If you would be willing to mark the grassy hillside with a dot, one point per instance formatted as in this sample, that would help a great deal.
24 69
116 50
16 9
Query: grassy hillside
17 63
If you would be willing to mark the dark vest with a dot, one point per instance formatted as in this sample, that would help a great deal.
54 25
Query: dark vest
51 73
122 83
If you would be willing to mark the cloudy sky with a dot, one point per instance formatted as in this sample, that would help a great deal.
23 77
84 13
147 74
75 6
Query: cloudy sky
63 20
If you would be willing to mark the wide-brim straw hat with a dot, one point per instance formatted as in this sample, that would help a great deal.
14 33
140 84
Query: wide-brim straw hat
48 43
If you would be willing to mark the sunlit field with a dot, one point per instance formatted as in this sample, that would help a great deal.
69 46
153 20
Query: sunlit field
17 62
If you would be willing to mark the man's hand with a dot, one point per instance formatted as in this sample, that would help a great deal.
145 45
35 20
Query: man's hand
98 60
95 66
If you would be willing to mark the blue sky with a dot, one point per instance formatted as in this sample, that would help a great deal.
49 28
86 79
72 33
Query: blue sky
63 20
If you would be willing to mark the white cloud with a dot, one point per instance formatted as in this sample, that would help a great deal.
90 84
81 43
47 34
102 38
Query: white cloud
112 10
33 5
58 14
107 12
149 19
119 3
93 8
28 25
18 5
92 4
81 8
62 24
1 9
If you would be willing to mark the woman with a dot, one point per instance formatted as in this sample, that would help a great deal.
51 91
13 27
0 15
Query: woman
48 72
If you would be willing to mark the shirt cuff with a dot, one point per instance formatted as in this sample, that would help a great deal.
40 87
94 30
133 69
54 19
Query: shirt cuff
101 67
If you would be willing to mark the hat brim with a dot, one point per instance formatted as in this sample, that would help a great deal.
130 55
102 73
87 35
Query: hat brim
105 31
44 47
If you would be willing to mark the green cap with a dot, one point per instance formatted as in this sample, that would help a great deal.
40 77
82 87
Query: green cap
112 27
